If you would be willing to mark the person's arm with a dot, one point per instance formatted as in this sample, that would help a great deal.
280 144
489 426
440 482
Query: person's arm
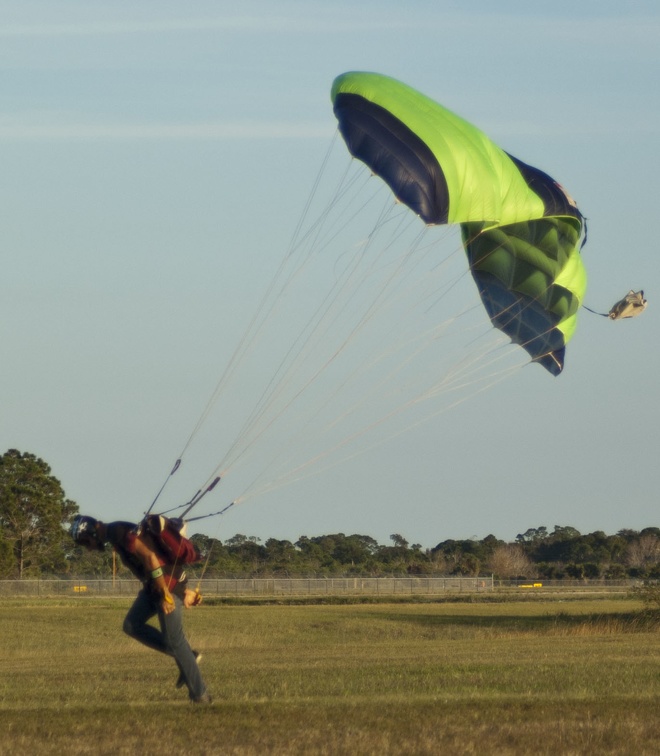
153 567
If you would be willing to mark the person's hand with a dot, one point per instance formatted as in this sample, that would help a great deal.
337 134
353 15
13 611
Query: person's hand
191 598
167 603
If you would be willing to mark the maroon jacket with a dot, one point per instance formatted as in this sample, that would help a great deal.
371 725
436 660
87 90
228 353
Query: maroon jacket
121 536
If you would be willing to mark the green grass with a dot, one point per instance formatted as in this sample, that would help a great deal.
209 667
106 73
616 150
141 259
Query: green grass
492 678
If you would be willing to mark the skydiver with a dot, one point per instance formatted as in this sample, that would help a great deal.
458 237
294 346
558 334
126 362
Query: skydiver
164 593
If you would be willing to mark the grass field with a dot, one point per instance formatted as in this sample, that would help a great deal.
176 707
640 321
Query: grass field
527 677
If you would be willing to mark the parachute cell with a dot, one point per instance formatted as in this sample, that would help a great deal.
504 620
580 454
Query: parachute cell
521 231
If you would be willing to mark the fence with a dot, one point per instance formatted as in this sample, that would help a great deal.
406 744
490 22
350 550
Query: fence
597 585
260 587
319 587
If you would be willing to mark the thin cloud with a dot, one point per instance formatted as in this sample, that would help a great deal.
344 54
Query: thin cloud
604 30
250 23
112 28
59 126
29 129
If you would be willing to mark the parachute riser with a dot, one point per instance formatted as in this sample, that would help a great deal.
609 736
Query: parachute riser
199 496
177 464
213 514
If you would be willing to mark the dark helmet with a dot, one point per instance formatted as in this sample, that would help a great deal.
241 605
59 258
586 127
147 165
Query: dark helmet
84 533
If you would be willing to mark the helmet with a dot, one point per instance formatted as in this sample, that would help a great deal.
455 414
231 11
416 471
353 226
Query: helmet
83 531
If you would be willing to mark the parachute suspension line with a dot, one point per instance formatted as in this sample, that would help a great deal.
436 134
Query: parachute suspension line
373 389
313 333
460 377
252 330
436 331
278 381
446 384
198 587
269 302
298 473
254 326
364 368
446 290
308 338
315 186
313 236
322 334
273 394
376 303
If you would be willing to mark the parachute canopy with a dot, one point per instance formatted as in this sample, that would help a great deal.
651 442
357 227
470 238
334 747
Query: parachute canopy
521 230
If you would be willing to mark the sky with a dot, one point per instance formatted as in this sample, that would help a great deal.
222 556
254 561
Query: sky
156 160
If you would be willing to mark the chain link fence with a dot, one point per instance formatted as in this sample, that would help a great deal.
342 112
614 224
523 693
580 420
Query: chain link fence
319 586
259 587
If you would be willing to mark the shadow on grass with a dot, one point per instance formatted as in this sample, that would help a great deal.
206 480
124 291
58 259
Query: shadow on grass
555 624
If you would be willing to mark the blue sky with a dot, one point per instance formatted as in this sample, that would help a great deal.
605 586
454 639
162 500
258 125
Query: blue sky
156 160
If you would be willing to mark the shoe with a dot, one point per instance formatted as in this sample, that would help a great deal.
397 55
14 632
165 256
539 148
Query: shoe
205 698
182 681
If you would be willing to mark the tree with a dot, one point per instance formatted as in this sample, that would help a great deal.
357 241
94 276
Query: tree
205 544
6 556
565 533
33 512
532 535
355 552
246 552
510 561
469 565
644 552
282 557
575 571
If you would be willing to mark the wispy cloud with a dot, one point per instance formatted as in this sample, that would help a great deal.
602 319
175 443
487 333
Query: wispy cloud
604 29
499 130
112 28
269 21
43 129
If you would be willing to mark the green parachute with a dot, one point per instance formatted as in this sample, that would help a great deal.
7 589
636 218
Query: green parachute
521 230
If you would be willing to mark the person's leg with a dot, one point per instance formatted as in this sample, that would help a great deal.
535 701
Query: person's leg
135 623
177 645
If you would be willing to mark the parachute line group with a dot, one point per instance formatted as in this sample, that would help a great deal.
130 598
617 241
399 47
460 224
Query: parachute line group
395 268
371 324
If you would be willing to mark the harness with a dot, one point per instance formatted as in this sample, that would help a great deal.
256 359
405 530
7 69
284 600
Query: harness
172 548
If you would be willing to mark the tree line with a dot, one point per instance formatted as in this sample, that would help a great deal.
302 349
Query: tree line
35 516
537 553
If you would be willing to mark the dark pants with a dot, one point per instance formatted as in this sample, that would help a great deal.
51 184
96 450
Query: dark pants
170 639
